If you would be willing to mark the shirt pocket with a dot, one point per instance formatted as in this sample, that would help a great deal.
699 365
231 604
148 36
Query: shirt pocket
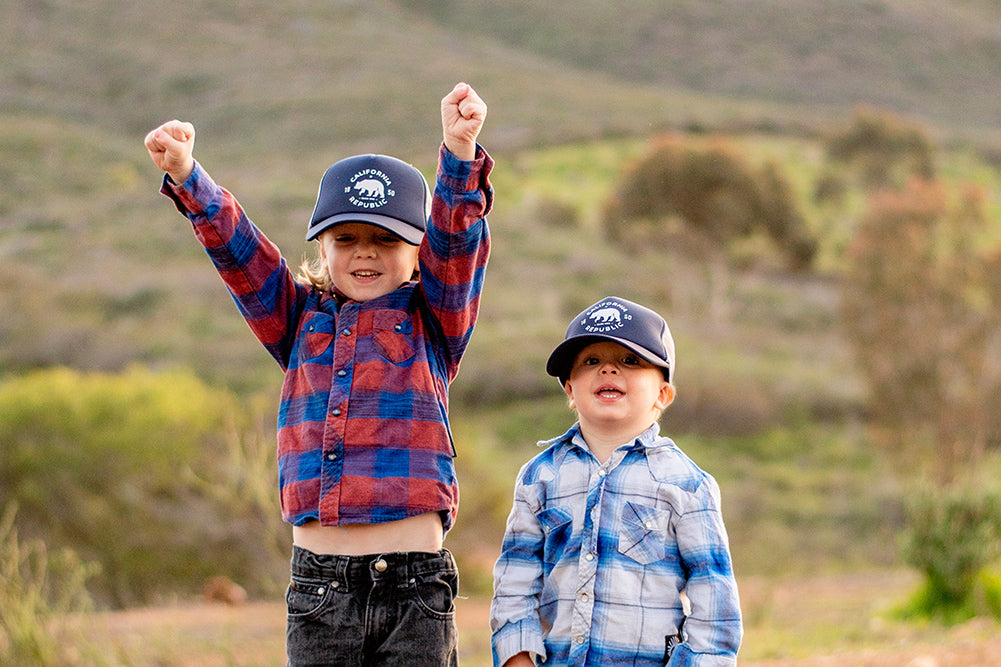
643 533
557 526
316 335
392 331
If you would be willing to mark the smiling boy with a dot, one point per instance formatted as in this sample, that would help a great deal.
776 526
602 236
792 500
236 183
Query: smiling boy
369 338
611 523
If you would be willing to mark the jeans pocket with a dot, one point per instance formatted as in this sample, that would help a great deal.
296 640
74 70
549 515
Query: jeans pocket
435 593
306 597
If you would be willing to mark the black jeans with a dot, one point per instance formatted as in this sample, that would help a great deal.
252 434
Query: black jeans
366 611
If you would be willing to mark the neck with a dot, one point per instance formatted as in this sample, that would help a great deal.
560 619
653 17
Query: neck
603 442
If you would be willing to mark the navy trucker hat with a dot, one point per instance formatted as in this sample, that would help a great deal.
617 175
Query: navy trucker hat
613 319
376 189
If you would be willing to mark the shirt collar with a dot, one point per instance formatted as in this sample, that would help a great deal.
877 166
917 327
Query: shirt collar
648 439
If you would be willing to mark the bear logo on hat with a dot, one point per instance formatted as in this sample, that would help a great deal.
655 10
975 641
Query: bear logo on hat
369 188
604 316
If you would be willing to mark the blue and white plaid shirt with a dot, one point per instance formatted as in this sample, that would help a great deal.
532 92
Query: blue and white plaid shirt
595 556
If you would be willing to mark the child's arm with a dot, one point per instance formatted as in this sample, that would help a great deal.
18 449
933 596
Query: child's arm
462 116
515 624
453 256
714 628
170 147
251 266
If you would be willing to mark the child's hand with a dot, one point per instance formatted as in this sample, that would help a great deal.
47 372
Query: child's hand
170 147
462 115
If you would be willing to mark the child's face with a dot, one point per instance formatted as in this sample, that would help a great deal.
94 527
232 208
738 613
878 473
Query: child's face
615 391
365 261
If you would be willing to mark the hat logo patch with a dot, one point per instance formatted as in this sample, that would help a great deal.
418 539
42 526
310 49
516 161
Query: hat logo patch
369 188
604 317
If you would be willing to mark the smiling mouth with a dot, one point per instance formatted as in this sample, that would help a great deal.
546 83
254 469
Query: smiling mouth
609 392
365 275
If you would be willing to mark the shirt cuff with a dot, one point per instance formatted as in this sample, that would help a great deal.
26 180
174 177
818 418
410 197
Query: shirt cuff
513 638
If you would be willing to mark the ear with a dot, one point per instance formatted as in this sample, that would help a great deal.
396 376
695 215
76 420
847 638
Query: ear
666 396
568 388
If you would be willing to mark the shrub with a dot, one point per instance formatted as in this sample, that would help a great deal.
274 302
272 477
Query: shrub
712 190
884 148
115 467
953 535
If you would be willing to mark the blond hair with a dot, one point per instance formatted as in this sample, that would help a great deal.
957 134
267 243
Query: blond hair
314 272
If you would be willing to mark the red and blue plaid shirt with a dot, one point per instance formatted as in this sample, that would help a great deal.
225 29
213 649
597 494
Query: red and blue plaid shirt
363 432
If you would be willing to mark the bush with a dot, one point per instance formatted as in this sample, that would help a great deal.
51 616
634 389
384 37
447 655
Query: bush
953 535
117 468
715 192
885 149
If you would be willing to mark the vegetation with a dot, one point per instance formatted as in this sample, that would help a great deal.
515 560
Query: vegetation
38 589
137 412
127 469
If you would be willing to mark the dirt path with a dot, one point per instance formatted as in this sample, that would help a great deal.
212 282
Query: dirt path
251 634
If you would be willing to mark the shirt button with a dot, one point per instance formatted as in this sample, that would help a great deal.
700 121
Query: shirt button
341 373
583 597
579 639
331 456
648 525
601 472
346 332
381 565
335 584
320 590
336 412
398 328
589 556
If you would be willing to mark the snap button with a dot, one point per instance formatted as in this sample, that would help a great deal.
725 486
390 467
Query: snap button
346 332
398 328
341 373
331 456
336 412
320 590
648 525
335 584
381 565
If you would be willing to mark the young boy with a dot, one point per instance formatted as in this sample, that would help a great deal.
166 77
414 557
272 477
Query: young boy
369 347
612 522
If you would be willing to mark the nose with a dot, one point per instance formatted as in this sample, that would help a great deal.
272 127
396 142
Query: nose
365 249
609 367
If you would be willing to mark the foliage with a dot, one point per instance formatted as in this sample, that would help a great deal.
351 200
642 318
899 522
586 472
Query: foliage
38 588
953 535
714 191
922 307
884 149
106 464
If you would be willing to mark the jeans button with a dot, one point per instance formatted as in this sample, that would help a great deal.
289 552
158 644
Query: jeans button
381 565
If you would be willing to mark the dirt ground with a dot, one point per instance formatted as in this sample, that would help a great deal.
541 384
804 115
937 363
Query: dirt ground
807 612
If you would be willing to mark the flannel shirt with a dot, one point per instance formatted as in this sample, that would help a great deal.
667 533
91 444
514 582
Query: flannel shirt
595 557
363 432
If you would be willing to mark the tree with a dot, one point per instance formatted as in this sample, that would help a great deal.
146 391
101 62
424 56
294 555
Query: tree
922 306
714 191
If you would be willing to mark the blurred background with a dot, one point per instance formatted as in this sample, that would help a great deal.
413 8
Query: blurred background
809 192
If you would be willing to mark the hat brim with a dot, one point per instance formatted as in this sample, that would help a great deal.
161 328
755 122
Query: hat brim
407 232
561 360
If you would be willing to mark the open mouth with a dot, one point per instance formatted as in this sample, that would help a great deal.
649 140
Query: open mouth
609 391
365 275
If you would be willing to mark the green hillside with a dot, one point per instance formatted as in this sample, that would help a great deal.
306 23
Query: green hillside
99 272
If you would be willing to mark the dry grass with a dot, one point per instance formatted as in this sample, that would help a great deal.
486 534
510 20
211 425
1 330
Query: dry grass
803 622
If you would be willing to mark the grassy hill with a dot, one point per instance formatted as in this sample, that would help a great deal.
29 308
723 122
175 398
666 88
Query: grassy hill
97 270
